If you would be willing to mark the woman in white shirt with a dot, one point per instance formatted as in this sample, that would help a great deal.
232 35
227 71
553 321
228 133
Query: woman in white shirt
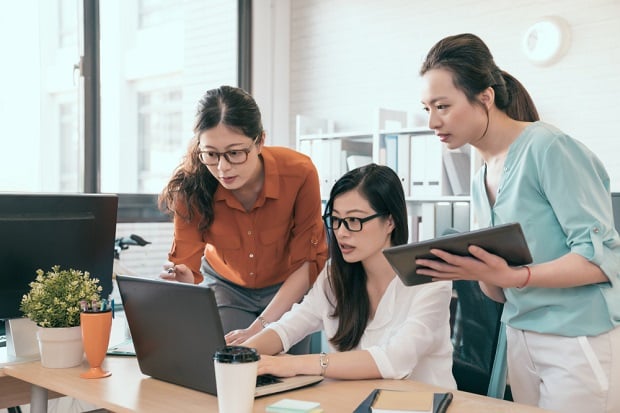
375 325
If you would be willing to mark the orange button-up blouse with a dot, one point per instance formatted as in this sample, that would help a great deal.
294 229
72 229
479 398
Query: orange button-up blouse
262 247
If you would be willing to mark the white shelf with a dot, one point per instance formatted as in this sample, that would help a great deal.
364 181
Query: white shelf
338 135
395 143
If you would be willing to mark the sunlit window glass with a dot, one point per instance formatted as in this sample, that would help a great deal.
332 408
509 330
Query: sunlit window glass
39 103
158 57
67 23
159 123
152 13
69 146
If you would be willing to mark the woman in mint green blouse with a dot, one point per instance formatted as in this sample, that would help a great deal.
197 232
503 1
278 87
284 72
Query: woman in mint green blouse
563 311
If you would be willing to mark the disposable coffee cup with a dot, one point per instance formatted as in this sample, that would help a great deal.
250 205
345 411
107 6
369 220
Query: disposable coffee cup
235 375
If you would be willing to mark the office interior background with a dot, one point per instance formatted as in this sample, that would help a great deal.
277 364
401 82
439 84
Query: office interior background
333 59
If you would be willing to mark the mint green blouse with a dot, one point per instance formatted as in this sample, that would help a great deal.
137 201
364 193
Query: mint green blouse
558 190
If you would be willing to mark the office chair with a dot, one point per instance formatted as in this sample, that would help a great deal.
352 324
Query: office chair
479 358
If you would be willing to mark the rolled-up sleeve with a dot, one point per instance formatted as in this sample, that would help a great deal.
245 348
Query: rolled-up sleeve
584 213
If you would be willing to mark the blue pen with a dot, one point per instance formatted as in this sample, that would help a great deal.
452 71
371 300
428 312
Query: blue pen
111 304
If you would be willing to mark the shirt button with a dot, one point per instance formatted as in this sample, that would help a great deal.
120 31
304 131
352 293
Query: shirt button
251 255
595 230
252 274
250 232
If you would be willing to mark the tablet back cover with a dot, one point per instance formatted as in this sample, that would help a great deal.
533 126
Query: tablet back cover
506 241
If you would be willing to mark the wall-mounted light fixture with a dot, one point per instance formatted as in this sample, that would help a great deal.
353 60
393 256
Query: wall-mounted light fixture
547 40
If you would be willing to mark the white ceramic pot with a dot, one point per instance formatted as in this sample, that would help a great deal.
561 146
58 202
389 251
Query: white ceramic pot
60 347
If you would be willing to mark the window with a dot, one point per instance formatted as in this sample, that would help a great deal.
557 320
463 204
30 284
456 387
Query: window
157 58
68 147
159 123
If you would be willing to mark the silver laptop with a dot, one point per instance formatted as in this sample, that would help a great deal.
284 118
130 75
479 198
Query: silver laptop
176 329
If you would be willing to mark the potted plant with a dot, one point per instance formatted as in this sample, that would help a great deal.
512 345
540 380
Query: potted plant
53 303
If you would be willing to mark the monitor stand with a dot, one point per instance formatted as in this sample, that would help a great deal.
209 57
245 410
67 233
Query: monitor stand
21 342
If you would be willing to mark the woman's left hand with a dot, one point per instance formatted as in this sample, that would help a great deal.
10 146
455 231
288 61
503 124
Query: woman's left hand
238 337
483 266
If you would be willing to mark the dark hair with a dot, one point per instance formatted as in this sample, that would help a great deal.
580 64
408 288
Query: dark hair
192 182
382 188
473 70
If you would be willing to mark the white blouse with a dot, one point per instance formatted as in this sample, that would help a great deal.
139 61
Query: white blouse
409 337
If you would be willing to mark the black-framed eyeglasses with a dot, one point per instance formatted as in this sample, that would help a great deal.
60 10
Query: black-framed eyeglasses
233 157
352 224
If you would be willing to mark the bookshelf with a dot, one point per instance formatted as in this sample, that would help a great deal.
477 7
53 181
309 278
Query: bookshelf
436 181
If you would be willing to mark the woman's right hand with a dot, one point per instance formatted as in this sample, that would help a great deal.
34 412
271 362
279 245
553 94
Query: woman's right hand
177 272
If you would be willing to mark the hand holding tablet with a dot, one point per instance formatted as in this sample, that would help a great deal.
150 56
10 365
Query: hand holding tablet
506 241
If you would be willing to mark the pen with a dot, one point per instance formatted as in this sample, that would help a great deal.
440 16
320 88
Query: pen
111 300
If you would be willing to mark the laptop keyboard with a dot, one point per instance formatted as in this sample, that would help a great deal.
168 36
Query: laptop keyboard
265 379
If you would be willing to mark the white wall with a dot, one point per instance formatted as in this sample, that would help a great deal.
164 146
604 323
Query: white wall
270 67
348 57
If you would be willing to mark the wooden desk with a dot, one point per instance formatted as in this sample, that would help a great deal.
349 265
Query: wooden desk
128 390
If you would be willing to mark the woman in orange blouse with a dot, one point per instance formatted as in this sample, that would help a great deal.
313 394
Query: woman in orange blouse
247 217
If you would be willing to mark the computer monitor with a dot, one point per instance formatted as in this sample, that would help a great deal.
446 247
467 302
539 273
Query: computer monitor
38 231
615 204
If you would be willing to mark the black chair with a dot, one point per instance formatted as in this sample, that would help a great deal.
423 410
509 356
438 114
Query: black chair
476 328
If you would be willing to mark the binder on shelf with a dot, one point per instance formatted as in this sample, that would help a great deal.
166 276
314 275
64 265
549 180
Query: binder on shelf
433 182
322 160
403 163
457 164
391 151
460 216
414 222
337 161
427 224
443 217
417 173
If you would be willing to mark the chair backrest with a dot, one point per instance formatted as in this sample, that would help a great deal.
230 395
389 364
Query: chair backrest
476 329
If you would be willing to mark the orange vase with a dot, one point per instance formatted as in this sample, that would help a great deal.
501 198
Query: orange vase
96 329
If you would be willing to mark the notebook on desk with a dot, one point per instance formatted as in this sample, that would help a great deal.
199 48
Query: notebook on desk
176 329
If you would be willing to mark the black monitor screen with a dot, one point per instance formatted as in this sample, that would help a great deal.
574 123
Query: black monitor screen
39 231
615 204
